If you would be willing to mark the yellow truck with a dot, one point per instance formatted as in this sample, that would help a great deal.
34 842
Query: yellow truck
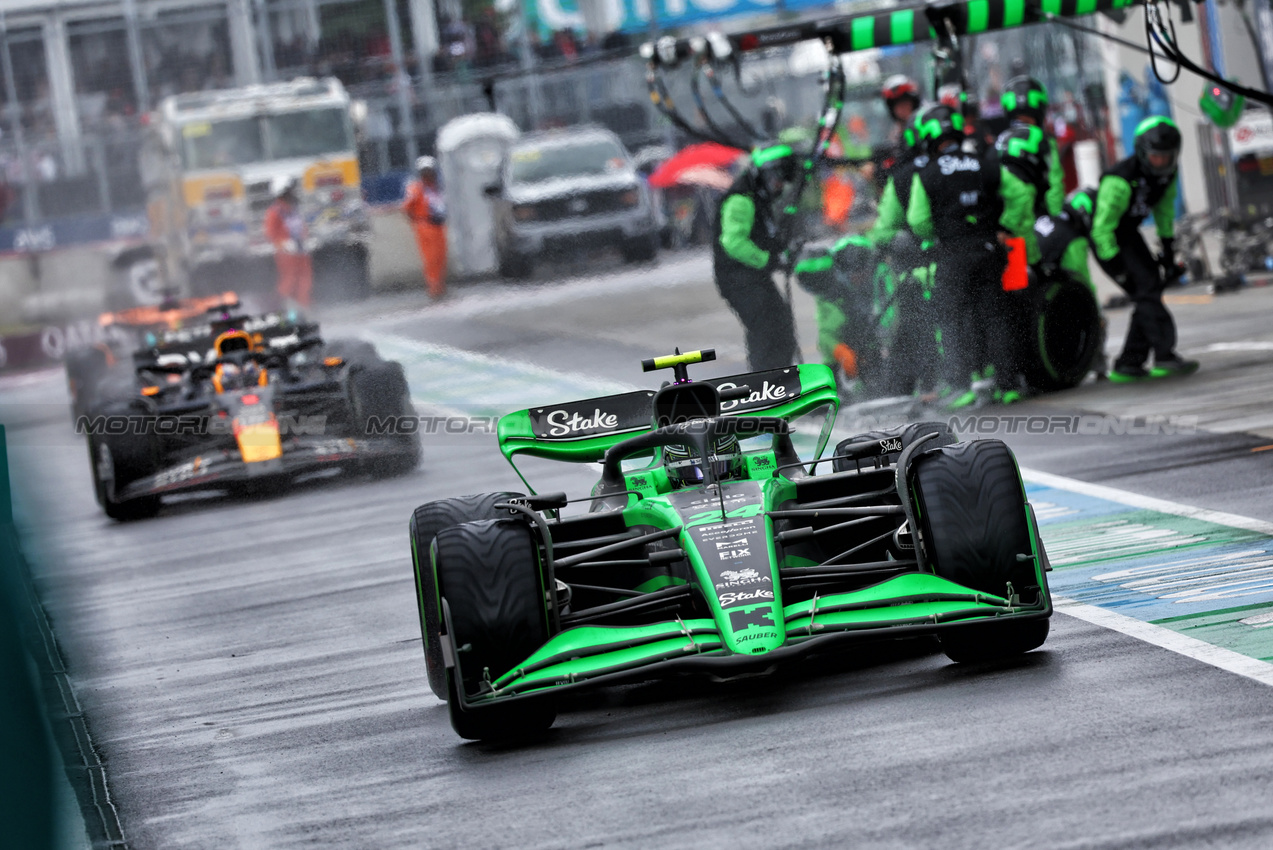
209 166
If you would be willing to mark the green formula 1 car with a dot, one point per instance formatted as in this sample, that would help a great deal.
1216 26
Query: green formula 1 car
710 544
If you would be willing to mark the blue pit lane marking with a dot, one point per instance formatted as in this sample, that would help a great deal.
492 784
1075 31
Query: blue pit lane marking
1194 581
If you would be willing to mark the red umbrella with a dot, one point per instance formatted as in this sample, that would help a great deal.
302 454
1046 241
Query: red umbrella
707 154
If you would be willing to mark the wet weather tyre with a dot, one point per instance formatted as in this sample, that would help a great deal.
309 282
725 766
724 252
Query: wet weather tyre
488 572
426 522
973 524
992 641
117 460
379 396
1061 336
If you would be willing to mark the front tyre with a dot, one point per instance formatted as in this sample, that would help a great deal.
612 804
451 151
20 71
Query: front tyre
489 574
973 526
426 522
117 460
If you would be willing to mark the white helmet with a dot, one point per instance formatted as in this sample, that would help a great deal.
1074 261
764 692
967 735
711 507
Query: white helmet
281 185
423 162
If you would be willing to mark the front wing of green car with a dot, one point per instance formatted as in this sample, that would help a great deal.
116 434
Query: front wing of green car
906 606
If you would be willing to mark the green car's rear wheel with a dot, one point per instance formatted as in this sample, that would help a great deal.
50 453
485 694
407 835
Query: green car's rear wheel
426 522
973 524
488 572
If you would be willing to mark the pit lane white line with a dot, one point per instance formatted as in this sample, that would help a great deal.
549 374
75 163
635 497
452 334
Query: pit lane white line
1216 656
1135 500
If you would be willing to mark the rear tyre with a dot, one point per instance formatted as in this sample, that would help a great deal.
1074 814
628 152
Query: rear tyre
973 524
379 395
488 572
1062 335
426 522
117 460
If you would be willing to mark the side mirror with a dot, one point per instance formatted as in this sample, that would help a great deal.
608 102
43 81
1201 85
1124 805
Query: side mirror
492 190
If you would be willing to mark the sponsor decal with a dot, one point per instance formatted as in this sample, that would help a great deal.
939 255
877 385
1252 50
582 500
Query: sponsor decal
744 618
608 415
178 474
888 446
736 578
736 597
561 423
768 389
950 164
755 634
328 448
34 239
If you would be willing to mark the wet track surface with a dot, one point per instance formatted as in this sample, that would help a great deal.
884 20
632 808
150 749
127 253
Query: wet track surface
253 676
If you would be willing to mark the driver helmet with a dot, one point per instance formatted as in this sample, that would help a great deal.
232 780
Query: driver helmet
776 166
1158 136
233 340
685 468
426 163
231 375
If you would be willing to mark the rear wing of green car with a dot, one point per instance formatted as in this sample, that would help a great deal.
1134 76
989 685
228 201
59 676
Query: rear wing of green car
582 431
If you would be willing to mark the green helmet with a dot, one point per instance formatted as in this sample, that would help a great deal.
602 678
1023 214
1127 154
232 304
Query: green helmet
1025 96
910 134
776 165
937 124
1157 135
1024 146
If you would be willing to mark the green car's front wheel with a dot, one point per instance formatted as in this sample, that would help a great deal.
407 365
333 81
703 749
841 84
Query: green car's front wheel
488 572
426 522
973 524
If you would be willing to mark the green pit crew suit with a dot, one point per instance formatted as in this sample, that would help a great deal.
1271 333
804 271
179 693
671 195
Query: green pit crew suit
1063 240
747 249
1023 153
956 199
1025 101
1129 191
844 282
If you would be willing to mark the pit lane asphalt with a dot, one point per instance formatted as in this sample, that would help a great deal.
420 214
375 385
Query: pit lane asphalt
252 670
